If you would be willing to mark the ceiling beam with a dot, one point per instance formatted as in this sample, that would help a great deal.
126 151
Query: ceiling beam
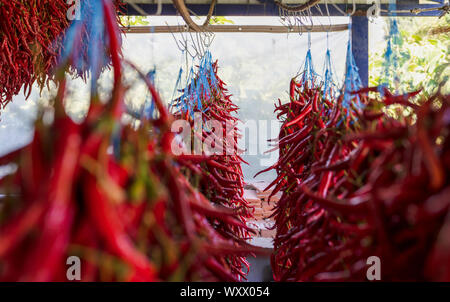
269 8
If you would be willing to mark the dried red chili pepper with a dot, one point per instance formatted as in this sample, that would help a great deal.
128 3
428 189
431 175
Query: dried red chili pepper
31 40
219 176
383 174
130 216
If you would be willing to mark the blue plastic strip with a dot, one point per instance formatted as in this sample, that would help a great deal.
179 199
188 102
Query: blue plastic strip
308 73
95 47
91 18
328 74
352 80
198 86
148 111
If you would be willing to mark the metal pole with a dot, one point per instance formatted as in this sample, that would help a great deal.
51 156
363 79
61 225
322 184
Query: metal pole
360 45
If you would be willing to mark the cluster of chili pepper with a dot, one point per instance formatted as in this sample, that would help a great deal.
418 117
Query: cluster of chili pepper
357 183
29 32
399 207
31 40
309 137
219 174
129 214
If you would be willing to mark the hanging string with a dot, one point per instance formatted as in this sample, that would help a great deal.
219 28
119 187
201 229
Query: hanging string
178 87
309 75
329 79
90 58
330 82
87 57
352 81
198 87
95 52
188 98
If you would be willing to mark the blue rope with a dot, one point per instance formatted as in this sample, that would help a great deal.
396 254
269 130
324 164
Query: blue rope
95 47
148 111
329 80
198 86
309 75
352 80
92 18
177 88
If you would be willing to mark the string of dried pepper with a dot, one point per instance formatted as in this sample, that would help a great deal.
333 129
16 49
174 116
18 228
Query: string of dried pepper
31 40
361 187
217 170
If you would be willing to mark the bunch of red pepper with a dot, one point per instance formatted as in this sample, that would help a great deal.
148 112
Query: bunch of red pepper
310 137
399 210
129 214
31 40
218 175
357 183
29 32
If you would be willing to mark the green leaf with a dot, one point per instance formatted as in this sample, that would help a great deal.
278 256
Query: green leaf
417 38
433 42
412 67
220 20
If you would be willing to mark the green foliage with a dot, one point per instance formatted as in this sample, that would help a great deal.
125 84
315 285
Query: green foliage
217 20
220 20
424 57
134 20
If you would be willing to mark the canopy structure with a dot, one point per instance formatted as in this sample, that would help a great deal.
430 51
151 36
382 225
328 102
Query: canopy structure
359 17
269 7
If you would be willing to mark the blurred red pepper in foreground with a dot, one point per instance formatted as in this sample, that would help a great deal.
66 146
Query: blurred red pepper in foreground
130 215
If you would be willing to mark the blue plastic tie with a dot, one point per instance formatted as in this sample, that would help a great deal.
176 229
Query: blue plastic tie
177 88
329 81
352 80
92 18
309 75
198 86
148 111
95 48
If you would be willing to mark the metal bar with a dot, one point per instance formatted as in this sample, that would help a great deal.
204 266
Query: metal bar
270 9
360 45
232 29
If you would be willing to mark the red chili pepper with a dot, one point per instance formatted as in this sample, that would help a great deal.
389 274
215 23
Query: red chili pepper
300 117
112 231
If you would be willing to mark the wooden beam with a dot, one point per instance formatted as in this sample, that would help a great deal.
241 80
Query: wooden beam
233 29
